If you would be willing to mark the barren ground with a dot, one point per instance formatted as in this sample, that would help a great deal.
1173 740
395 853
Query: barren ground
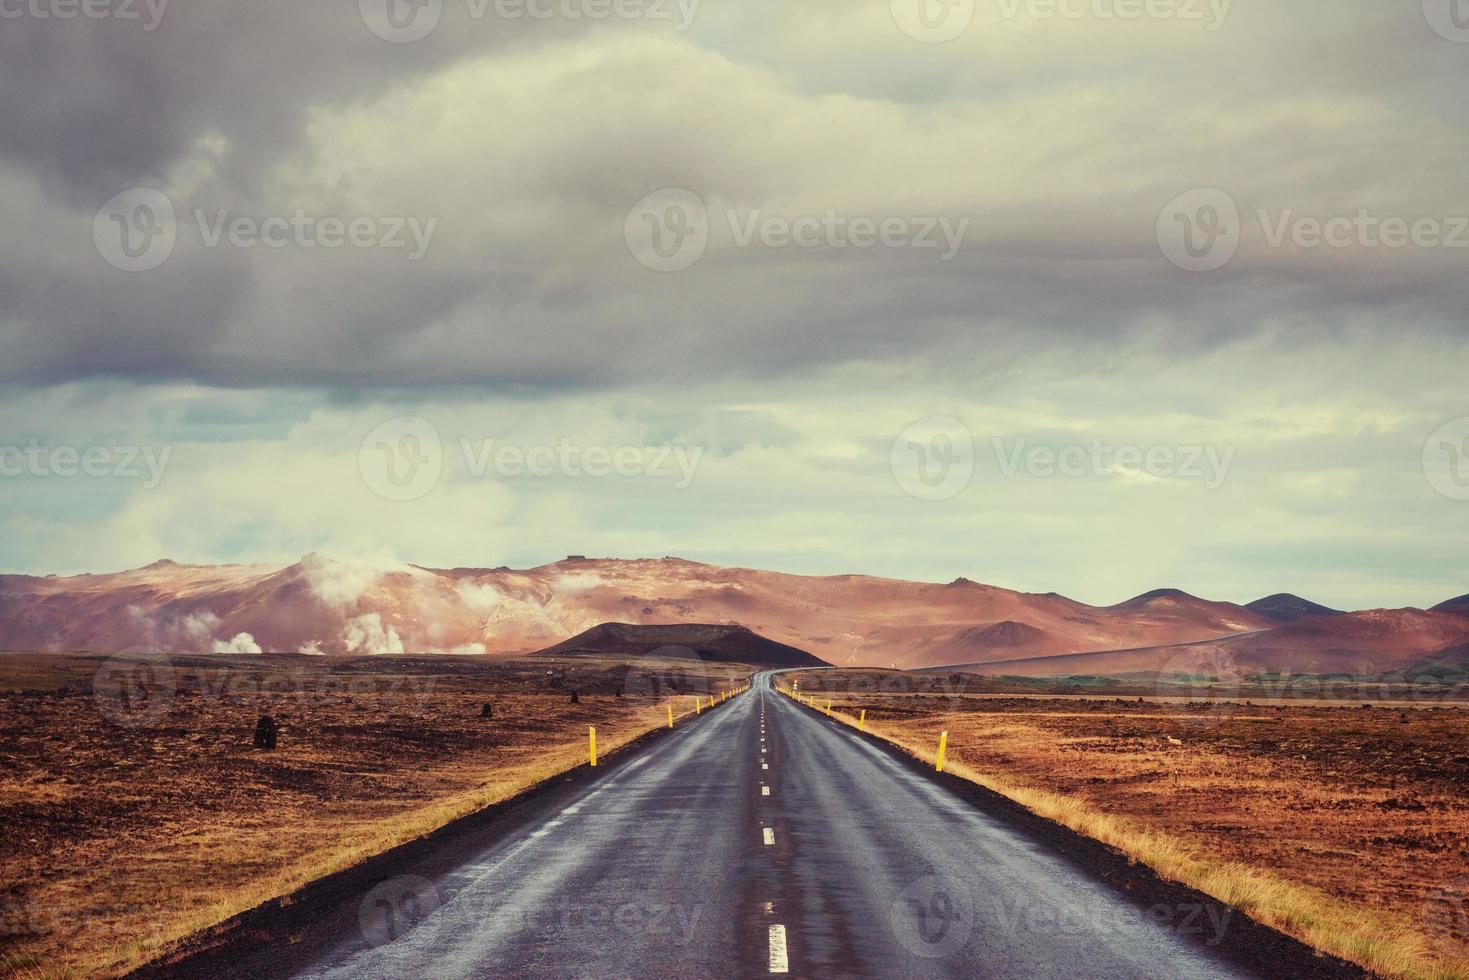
1367 808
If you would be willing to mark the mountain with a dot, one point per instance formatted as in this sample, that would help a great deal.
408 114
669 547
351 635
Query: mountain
725 644
1369 642
1457 607
326 606
1172 610
1286 608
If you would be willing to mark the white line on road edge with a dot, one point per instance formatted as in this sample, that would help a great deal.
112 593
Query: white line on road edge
769 836
779 960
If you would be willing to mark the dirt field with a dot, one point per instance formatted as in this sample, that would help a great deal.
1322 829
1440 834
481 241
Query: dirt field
135 809
1345 826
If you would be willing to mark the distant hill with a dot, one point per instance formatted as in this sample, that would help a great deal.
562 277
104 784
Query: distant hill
724 644
321 605
1457 607
326 606
1286 608
1369 642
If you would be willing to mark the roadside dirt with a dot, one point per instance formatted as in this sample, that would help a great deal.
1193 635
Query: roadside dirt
1368 807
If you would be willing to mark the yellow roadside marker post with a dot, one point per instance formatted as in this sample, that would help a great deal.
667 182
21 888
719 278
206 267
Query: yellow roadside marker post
670 716
943 748
862 722
592 738
828 707
697 704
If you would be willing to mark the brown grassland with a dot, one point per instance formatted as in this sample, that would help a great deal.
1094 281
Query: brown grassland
1344 826
122 838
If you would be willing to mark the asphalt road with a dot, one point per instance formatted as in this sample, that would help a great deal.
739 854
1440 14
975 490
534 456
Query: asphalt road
761 838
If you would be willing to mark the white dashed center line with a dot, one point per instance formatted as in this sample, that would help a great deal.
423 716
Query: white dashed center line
764 765
779 959
764 790
769 836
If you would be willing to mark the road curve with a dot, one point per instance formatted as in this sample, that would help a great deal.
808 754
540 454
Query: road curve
759 838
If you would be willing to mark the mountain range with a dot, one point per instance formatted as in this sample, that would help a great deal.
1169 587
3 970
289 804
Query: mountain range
319 605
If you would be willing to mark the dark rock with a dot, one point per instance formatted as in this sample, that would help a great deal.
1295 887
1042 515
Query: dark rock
266 732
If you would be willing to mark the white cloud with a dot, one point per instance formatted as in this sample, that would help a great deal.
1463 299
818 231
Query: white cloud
574 582
242 643
482 598
367 635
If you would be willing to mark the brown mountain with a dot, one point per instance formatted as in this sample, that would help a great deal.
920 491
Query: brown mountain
1459 606
1369 642
1286 608
724 644
350 607
346 607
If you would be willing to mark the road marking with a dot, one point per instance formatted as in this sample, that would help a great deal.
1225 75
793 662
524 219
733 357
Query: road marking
764 765
780 961
764 790
769 836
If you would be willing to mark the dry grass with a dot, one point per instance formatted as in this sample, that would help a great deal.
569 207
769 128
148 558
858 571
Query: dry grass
1316 821
121 841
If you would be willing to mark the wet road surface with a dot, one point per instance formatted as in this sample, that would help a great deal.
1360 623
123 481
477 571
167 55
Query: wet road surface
761 839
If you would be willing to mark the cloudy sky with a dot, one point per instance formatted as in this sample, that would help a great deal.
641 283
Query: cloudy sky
1092 296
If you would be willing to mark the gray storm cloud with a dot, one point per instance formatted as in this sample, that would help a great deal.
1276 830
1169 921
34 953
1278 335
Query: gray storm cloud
529 140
